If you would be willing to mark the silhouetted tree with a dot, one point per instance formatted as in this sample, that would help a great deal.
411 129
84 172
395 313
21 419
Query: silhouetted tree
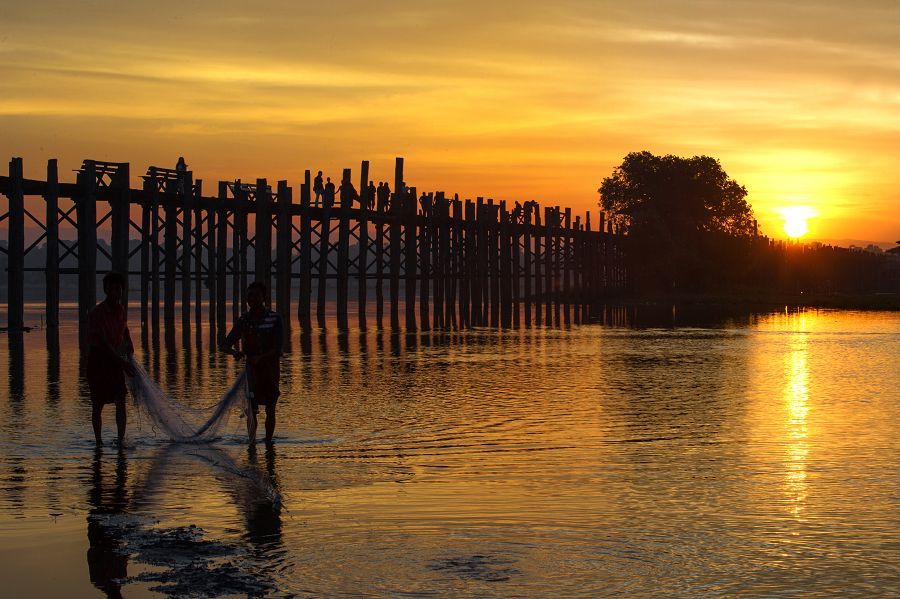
680 194
674 210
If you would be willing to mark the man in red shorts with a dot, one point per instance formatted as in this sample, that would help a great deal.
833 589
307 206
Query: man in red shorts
260 331
110 348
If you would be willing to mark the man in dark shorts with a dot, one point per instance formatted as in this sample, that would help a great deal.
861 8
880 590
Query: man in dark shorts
108 355
260 331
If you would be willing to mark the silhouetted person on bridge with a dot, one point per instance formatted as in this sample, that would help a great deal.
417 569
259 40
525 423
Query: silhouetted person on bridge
260 332
348 193
181 173
109 351
425 203
370 195
328 193
384 196
318 188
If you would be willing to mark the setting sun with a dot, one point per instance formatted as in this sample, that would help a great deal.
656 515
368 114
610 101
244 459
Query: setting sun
795 220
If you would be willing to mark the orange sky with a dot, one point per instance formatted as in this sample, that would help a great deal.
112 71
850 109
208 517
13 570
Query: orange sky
800 101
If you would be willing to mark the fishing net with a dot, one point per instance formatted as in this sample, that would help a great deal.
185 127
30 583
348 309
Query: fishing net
171 417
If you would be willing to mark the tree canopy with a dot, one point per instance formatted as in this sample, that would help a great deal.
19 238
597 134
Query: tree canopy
675 196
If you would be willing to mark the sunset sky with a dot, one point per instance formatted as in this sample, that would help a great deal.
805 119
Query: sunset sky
540 100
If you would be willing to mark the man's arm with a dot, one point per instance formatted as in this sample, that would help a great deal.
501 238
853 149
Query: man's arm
230 339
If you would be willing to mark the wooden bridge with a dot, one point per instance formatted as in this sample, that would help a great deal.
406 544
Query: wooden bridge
462 263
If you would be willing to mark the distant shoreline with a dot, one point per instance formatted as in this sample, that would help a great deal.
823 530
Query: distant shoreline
770 300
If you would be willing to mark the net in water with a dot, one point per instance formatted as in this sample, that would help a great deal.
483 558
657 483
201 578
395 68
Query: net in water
182 423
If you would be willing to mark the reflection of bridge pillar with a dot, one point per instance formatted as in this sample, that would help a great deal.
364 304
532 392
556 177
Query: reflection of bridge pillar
16 365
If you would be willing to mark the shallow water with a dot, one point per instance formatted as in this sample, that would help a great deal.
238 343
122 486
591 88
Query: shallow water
753 456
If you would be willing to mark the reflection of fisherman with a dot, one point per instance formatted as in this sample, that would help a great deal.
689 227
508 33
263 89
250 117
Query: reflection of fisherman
107 565
107 362
262 514
260 332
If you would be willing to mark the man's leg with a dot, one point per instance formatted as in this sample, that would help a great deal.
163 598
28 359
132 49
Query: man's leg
121 419
251 425
97 421
270 422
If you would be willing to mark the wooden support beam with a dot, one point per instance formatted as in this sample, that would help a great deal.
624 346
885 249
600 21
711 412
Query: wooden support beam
565 256
120 208
324 242
212 273
468 269
51 274
379 265
557 265
262 271
284 255
515 227
539 248
505 264
170 241
221 261
444 258
362 259
198 265
397 215
577 279
155 254
87 247
549 250
303 302
437 226
187 229
146 270
15 273
494 259
394 241
242 247
426 265
409 225
456 258
479 287
527 266
343 254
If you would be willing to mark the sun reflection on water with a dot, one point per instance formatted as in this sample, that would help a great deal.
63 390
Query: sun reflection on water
796 396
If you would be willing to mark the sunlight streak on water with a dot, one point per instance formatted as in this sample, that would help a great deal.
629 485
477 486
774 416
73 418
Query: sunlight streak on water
797 399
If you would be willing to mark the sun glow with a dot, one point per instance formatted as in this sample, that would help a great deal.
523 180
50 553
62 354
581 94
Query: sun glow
795 220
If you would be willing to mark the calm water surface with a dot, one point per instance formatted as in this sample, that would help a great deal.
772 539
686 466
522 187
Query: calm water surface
756 456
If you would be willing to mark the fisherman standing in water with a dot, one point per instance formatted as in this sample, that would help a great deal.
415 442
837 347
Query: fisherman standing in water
260 332
108 355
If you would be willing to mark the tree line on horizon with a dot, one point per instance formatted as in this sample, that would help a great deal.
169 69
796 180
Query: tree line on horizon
690 229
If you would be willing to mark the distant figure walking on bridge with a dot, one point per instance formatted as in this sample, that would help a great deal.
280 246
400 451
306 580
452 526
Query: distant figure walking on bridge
261 333
384 196
347 193
318 188
108 355
370 195
328 193
181 172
